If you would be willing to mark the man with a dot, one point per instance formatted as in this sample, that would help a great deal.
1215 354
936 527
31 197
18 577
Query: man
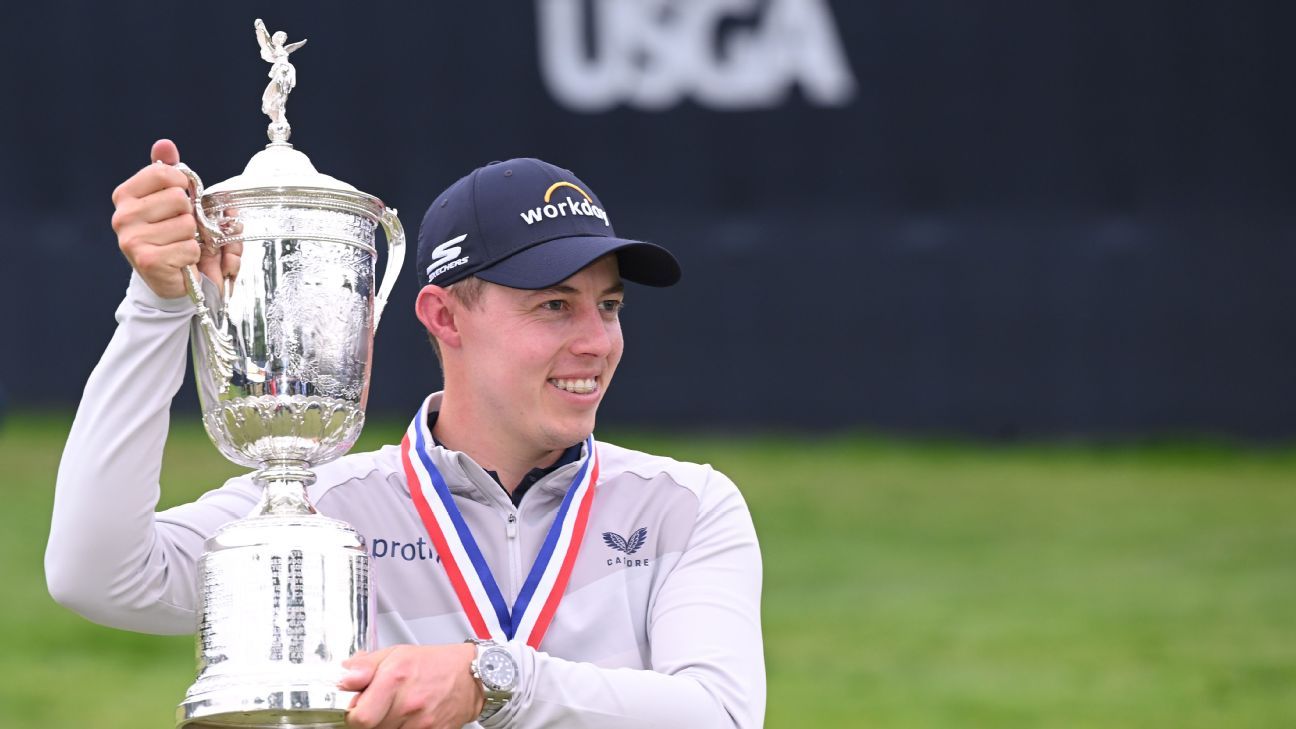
658 623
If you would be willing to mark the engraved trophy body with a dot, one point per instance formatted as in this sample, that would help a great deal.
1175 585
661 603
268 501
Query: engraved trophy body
282 354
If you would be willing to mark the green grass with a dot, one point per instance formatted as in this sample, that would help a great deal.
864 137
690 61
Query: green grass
907 584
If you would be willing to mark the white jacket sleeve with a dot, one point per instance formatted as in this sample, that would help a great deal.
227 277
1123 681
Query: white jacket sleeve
708 666
110 557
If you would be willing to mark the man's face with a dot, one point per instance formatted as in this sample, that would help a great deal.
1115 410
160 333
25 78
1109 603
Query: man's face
537 363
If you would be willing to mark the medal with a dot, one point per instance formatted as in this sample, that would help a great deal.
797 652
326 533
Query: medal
470 577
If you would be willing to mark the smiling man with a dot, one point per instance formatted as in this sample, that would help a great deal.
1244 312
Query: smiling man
595 585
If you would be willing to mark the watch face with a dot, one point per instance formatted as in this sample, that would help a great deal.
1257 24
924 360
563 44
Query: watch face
497 669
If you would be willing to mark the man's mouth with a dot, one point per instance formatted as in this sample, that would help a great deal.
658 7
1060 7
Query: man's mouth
582 386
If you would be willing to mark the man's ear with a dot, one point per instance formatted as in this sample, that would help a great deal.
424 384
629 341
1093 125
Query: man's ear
438 310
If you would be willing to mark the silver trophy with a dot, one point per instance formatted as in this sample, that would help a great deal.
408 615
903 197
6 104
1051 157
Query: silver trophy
281 358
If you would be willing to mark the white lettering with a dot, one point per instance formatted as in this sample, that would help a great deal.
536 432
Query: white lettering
812 53
453 264
532 216
443 253
654 54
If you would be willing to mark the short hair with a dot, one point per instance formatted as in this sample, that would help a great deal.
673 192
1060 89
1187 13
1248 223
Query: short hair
468 292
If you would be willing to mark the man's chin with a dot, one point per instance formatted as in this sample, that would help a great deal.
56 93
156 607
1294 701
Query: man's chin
569 434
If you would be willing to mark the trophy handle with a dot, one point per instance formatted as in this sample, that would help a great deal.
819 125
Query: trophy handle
395 259
220 347
207 242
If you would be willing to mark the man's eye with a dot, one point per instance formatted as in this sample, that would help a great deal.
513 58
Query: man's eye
612 305
554 305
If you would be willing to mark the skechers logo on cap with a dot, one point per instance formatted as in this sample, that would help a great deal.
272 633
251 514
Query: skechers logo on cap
445 257
570 206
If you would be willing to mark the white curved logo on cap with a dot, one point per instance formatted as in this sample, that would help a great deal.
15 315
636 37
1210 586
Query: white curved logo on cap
444 255
569 206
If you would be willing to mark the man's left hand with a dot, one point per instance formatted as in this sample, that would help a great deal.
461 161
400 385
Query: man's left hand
414 687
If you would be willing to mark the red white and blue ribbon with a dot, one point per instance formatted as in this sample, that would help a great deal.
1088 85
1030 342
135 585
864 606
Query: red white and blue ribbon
489 615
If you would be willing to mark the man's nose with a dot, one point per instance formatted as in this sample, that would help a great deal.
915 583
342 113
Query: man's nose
594 334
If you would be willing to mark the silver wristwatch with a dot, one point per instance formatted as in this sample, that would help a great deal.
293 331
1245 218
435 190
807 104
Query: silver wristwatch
495 668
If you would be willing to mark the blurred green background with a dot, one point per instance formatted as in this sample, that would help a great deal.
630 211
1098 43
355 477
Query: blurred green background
907 584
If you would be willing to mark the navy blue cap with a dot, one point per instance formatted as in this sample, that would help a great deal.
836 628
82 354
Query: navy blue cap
527 224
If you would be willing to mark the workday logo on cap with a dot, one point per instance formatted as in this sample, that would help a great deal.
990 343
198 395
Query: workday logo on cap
569 206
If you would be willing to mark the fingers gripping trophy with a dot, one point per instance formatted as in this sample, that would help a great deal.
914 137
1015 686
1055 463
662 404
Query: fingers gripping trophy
281 355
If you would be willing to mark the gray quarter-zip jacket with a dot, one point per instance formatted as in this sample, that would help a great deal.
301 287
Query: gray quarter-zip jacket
668 636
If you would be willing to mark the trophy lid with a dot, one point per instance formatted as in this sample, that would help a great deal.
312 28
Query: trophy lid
279 165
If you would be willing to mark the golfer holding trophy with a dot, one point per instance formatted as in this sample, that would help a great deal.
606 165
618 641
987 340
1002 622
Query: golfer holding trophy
500 565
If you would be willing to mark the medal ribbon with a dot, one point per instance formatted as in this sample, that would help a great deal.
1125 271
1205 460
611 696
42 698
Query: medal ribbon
470 576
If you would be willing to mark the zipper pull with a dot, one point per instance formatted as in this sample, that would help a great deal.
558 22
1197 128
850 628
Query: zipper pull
511 530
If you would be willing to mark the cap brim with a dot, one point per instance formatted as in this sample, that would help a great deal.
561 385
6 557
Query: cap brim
553 261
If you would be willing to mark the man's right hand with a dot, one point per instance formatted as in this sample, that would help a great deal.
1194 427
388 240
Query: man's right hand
155 227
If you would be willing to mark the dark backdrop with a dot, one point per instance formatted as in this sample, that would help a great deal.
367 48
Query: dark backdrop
1023 218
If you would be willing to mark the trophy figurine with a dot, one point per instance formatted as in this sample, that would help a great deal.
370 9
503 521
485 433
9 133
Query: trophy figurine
281 356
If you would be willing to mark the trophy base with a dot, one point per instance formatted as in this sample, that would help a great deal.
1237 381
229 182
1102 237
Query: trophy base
293 707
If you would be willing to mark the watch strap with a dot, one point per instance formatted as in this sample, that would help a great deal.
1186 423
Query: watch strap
494 700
